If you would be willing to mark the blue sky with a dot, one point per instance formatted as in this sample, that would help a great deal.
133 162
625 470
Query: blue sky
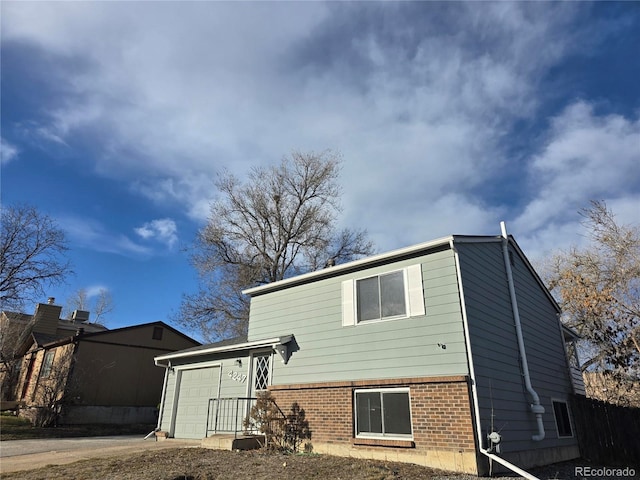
450 117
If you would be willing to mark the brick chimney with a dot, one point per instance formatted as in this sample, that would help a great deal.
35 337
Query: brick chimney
46 317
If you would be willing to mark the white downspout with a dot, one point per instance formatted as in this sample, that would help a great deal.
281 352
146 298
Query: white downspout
472 375
164 394
536 408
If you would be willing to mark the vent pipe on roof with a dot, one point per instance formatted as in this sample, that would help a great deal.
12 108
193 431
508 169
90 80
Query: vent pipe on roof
80 316
51 300
536 408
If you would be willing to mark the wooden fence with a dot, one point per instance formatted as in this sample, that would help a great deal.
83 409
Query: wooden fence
608 434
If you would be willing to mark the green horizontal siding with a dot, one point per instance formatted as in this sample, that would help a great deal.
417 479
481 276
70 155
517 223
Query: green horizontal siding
503 399
388 349
167 411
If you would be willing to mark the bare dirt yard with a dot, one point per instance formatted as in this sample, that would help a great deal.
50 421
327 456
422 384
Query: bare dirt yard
196 463
201 464
205 464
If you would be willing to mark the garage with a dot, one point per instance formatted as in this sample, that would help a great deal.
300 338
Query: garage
196 386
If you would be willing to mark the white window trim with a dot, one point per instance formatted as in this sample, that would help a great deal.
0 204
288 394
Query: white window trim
413 297
566 404
396 436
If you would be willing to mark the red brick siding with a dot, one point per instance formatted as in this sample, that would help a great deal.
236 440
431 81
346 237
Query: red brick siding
440 407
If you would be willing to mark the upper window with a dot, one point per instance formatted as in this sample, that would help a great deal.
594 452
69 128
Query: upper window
381 297
397 294
383 413
47 364
563 423
157 333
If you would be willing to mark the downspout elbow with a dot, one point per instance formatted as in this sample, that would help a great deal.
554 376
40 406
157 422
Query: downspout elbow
538 410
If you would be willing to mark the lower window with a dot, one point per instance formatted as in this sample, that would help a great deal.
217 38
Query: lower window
563 423
383 413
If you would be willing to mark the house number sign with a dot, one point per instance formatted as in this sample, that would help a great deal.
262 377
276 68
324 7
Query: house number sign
237 376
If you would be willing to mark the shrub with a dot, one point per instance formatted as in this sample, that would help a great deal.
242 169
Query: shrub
282 432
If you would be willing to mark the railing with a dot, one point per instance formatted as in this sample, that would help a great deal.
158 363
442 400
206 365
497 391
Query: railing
227 415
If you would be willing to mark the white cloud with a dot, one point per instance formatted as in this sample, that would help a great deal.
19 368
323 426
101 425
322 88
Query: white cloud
8 152
587 157
163 230
420 99
93 235
95 290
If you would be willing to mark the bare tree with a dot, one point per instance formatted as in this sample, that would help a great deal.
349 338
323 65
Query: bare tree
32 255
52 389
599 290
100 306
279 223
12 331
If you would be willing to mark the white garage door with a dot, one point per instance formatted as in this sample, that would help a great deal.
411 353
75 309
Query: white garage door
197 386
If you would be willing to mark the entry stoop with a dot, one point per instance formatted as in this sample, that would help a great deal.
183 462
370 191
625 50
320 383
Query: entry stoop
231 442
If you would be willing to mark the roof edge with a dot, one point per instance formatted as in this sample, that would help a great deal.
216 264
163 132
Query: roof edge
363 262
268 342
331 271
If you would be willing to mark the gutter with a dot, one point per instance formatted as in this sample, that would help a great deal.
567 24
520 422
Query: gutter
536 408
345 267
472 378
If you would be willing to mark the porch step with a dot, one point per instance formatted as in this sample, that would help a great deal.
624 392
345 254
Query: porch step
230 442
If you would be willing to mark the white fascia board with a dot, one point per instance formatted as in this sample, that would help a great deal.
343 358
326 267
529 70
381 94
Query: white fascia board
269 342
363 262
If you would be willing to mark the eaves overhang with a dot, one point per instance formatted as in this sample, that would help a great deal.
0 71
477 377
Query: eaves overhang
569 333
275 343
345 267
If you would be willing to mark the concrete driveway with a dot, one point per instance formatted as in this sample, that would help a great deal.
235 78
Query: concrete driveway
18 455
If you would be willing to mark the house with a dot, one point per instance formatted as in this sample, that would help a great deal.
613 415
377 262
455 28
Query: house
45 324
91 374
449 354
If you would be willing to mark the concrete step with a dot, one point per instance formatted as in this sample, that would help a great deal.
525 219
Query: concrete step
230 442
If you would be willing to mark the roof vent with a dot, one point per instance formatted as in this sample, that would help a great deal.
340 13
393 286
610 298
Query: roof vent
80 316
51 300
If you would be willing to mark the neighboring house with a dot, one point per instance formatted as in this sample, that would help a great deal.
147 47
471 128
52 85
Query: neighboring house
448 353
95 375
16 329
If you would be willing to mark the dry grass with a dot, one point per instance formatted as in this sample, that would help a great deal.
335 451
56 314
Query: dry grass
17 428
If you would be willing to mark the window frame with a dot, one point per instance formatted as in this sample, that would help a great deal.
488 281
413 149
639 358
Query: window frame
254 366
414 296
382 435
405 288
557 401
158 333
47 363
